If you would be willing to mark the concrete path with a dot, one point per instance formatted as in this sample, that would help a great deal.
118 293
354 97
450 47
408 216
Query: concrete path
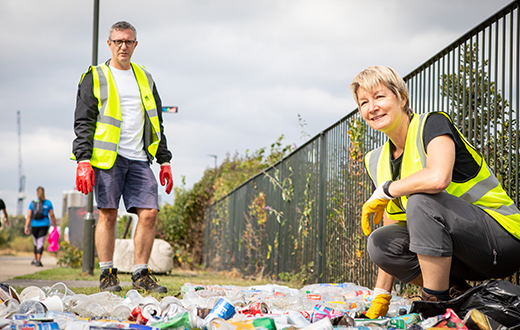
13 266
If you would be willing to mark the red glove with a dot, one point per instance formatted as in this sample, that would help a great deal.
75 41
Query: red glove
166 174
85 177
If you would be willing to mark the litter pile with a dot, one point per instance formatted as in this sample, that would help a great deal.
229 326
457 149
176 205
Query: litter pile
271 307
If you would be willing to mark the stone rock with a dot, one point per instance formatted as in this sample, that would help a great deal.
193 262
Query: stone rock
161 258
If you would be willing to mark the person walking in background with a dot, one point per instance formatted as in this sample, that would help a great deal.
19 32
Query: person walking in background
37 218
3 208
446 217
119 131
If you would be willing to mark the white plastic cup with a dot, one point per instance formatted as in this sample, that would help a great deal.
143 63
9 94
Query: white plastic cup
53 303
60 289
32 293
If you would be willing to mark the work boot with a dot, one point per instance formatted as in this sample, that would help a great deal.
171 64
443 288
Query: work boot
108 280
146 281
429 297
458 288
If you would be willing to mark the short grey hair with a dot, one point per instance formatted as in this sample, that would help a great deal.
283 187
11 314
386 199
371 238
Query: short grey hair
122 25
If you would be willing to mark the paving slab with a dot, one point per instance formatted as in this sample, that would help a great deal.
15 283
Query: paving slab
13 266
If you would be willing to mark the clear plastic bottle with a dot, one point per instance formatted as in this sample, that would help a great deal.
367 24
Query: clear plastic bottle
95 310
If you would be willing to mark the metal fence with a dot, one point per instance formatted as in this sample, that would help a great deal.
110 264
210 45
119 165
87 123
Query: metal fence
301 217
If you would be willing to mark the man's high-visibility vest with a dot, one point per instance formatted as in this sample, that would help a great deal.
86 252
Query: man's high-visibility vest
108 125
482 190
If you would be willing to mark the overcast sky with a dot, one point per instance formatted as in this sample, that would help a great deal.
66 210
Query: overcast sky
240 71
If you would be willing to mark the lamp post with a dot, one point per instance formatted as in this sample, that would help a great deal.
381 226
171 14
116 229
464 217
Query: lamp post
89 223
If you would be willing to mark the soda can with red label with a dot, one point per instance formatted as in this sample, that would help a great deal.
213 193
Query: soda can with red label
256 308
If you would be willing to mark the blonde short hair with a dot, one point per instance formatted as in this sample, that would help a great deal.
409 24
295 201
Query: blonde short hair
372 76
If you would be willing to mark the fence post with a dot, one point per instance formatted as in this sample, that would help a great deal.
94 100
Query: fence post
322 207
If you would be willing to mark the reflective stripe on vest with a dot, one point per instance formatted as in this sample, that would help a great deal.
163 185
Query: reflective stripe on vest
483 190
108 126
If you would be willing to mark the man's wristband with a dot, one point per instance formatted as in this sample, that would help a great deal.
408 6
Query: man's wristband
385 189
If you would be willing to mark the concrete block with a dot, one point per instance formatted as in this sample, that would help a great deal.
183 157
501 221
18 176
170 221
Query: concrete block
161 259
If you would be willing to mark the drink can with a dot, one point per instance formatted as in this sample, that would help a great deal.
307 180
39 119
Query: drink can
223 309
36 326
150 311
256 308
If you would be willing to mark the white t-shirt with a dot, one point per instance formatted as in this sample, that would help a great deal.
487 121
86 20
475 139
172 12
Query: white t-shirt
132 127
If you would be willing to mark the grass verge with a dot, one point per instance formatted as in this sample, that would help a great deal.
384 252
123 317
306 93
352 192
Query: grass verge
173 281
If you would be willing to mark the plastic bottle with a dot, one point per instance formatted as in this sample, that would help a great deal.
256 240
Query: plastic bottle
191 298
134 296
121 312
169 300
95 310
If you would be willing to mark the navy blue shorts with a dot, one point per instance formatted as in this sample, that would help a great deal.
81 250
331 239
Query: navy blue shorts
132 179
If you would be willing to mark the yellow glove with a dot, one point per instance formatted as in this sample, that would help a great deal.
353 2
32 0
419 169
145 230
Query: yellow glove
376 206
379 306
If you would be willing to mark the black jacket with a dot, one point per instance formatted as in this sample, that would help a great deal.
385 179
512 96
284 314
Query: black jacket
85 118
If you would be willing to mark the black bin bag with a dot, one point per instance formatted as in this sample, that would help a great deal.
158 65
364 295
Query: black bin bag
499 300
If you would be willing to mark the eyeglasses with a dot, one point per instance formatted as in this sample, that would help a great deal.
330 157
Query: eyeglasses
119 43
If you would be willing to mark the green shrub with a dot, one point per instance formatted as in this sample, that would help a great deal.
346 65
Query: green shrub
22 244
71 256
4 239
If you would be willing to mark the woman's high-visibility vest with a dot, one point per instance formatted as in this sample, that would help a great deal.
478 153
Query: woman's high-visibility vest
482 190
108 126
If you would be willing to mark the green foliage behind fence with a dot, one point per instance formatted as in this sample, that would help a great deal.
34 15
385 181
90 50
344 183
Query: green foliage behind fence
300 217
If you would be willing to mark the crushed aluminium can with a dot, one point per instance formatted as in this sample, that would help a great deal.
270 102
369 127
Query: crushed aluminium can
223 309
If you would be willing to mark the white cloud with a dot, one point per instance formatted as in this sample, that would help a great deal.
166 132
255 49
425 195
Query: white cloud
240 71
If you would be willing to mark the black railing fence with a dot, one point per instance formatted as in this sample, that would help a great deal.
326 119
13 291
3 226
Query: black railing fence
301 217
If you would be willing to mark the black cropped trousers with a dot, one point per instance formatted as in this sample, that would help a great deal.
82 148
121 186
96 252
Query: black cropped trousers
445 226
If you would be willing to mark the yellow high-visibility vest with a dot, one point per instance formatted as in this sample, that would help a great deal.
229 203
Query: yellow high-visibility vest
482 190
108 125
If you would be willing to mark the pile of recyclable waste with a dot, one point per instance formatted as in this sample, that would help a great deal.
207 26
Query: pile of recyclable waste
212 307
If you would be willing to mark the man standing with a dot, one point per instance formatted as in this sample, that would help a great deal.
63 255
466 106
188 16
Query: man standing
118 127
2 208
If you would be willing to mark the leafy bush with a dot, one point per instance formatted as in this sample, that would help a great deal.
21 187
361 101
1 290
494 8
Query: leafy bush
4 239
182 224
71 256
22 244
